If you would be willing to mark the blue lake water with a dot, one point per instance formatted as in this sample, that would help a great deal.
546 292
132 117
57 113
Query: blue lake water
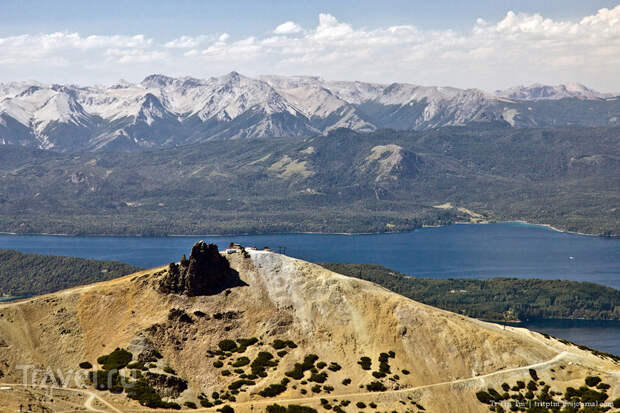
456 251
600 335
476 251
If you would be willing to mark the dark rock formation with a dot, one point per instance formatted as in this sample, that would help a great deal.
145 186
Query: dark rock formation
166 385
205 272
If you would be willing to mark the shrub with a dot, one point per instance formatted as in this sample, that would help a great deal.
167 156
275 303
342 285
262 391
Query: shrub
247 342
365 362
360 405
225 373
534 374
294 408
321 365
147 396
227 345
272 390
324 401
318 377
346 381
278 344
384 367
86 365
603 386
191 405
333 366
376 386
496 396
378 374
383 357
206 403
215 395
218 364
505 386
241 361
298 370
328 389
117 359
276 408
520 384
532 386
137 365
309 361
406 372
226 409
282 353
261 362
484 397
592 381
169 370
391 354
316 388
235 385
373 405
616 403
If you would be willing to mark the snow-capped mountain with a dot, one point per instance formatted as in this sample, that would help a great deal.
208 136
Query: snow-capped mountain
162 111
542 92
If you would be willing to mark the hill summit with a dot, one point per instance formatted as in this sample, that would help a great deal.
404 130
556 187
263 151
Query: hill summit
285 334
205 272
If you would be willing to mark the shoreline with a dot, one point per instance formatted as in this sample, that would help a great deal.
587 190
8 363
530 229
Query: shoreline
518 221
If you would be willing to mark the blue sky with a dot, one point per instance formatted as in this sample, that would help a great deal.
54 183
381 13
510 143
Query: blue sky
439 42
244 18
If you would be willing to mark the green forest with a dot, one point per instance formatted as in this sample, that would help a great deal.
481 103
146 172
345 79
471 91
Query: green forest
32 274
383 181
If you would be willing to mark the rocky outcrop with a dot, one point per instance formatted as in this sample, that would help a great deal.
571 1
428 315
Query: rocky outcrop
167 385
203 273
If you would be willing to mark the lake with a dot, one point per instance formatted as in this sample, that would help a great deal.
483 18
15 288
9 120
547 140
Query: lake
600 335
473 251
456 251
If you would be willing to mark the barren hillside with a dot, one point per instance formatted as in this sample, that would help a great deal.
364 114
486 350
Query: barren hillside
259 328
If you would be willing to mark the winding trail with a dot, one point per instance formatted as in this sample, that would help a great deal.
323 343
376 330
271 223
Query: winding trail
262 402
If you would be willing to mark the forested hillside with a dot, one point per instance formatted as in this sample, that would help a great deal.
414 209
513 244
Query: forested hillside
32 274
342 182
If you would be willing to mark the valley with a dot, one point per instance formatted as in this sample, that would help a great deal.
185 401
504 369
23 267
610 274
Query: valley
345 182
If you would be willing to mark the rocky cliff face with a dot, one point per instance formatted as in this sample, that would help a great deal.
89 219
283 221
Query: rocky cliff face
204 272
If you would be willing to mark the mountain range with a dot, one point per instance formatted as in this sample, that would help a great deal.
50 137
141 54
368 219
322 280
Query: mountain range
162 111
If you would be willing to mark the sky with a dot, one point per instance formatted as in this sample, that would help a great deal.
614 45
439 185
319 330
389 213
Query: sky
486 44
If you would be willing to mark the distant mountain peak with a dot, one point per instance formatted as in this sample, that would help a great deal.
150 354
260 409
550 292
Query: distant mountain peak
157 81
538 91
164 111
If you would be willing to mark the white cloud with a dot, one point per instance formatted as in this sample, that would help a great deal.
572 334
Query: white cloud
288 27
519 48
187 42
129 56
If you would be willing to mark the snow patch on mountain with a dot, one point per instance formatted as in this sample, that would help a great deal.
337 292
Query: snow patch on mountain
543 92
165 111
